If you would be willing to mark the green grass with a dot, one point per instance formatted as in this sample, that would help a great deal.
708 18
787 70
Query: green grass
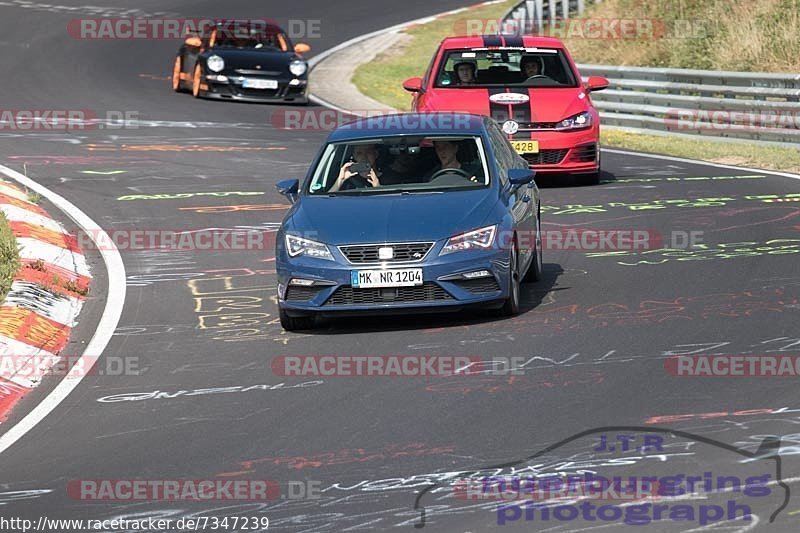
727 153
382 78
748 35
9 257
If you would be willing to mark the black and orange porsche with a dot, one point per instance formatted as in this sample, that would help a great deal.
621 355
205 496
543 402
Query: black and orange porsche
248 61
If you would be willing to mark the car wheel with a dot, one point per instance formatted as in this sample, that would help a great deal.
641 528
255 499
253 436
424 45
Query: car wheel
196 79
534 272
589 179
176 76
294 323
511 305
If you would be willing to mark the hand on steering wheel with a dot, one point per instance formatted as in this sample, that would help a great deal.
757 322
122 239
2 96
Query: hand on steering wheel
444 171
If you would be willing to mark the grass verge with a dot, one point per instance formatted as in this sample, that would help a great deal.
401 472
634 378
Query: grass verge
9 257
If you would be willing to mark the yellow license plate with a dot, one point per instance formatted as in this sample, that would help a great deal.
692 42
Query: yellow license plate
526 147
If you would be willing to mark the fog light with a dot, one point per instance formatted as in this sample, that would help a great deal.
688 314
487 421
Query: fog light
476 274
302 282
217 77
294 83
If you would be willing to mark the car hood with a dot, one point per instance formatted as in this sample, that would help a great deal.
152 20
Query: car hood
251 59
392 218
545 104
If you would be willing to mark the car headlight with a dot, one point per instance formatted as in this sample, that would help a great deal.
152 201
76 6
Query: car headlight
579 121
479 238
297 67
296 246
215 63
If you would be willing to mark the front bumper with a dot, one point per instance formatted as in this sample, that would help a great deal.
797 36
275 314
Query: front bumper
334 295
572 152
233 90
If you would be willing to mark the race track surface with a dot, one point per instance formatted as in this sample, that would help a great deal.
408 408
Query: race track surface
594 334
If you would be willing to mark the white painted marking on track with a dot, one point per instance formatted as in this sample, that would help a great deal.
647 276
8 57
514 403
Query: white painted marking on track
109 320
697 162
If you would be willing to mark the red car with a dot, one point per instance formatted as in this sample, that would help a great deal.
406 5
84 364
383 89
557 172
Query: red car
530 86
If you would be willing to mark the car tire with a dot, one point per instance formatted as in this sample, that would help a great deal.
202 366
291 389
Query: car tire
197 77
511 305
588 179
177 84
295 323
534 272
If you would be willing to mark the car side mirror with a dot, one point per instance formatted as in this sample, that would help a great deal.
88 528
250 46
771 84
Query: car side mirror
520 176
301 48
194 41
597 83
413 85
289 188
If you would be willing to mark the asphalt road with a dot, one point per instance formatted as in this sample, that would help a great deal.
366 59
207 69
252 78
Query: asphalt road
594 334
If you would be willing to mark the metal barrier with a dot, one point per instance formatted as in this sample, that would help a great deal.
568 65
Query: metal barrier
757 106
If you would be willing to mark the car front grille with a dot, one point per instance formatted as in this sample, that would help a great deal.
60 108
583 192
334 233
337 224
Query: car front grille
262 73
259 93
300 293
479 285
545 157
404 252
428 292
527 126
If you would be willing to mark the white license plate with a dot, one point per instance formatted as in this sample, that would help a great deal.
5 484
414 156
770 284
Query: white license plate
406 277
260 84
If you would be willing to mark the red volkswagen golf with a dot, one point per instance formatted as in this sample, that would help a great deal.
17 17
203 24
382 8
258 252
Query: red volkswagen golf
531 87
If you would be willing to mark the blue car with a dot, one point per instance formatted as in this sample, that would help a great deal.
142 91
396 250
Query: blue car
409 213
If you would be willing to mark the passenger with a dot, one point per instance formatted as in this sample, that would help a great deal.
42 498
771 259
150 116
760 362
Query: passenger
531 66
359 180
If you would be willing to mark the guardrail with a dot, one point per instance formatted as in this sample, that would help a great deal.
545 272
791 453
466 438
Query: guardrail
755 106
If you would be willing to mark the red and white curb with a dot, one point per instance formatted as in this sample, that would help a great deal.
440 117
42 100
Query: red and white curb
46 297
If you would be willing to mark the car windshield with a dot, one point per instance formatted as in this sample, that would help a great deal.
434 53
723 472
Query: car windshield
401 165
513 67
251 39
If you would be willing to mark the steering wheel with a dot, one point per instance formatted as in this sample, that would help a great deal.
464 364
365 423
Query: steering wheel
535 76
442 172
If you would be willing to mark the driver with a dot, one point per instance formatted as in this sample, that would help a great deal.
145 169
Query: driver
466 73
531 66
447 152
